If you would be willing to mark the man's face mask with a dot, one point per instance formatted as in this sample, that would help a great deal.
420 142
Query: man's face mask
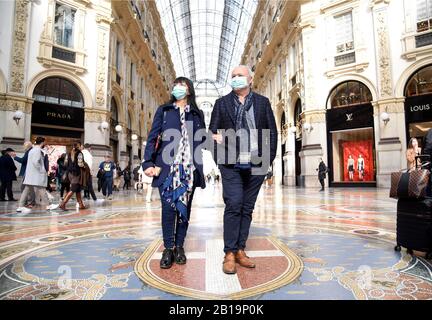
179 91
239 82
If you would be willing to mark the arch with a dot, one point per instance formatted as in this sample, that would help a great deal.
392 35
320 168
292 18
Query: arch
3 83
85 92
120 112
346 95
407 73
417 82
60 89
133 118
351 77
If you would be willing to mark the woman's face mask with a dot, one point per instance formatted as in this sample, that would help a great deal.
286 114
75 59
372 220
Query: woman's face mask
179 91
239 82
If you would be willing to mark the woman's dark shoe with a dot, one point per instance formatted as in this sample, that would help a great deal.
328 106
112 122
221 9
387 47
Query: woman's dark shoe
180 257
167 259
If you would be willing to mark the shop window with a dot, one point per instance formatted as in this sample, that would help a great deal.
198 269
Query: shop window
424 15
344 39
420 83
64 25
350 93
58 91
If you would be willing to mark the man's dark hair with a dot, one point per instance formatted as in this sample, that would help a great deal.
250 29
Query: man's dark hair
87 145
39 140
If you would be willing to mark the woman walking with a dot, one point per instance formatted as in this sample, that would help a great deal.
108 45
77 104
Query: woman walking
178 176
62 175
75 163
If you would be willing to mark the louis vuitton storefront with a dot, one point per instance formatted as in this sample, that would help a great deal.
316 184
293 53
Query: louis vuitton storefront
418 104
350 136
58 114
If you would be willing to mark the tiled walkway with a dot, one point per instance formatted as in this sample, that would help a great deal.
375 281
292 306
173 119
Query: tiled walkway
307 245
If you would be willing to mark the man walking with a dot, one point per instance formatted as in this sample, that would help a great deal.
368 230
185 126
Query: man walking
88 158
23 161
322 172
7 174
107 167
251 117
36 177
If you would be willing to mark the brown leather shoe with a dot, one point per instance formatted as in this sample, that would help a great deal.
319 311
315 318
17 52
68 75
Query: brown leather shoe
242 259
229 265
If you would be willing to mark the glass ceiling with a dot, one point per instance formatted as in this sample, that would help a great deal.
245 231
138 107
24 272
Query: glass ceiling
206 38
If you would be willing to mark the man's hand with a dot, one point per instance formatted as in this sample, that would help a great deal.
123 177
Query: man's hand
150 172
218 138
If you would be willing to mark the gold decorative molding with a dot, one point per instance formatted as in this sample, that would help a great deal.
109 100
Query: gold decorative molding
384 60
314 116
102 67
96 115
19 46
391 105
10 102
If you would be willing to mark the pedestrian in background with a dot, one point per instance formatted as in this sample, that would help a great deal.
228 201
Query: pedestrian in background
7 174
108 167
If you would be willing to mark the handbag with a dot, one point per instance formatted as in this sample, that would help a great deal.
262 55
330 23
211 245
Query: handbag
410 184
65 177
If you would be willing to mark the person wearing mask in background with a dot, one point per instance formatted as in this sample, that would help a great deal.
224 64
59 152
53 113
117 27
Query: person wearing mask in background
107 167
62 175
250 116
180 171
7 174
322 172
88 159
35 178
75 163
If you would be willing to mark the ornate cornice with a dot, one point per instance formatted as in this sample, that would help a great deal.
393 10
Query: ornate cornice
19 46
10 102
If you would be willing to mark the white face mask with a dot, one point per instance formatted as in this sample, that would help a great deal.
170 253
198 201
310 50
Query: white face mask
239 82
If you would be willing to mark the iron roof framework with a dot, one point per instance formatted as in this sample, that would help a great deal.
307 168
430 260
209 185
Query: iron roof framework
206 37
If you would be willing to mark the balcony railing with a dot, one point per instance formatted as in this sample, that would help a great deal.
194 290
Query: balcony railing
345 59
423 40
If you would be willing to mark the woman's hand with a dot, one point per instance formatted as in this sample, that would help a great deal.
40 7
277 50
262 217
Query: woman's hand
150 172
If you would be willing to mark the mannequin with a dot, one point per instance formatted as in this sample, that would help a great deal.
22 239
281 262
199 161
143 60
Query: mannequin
360 167
350 167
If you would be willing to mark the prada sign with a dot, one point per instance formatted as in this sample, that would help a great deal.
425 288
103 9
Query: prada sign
352 117
418 109
57 115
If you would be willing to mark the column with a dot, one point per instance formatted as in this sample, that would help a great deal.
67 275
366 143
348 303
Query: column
13 134
390 141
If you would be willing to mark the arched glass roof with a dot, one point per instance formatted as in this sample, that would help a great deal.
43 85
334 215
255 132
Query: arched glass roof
206 37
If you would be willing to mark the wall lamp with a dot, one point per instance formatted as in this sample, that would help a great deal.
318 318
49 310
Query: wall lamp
118 128
308 127
134 137
18 115
103 126
385 117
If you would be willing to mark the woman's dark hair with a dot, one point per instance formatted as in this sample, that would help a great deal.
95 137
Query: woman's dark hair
191 99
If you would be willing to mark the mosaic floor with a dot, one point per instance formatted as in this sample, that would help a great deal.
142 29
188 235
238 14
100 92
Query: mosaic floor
307 245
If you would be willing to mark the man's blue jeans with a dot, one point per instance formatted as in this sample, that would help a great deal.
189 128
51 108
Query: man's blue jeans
240 191
107 186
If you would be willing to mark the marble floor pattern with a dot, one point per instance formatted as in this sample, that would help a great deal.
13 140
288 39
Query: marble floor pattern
337 244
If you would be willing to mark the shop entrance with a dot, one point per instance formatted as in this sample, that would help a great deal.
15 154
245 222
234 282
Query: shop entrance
418 104
350 137
58 116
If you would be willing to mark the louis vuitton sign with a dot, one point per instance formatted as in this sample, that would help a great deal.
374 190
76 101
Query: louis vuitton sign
352 117
57 115
418 109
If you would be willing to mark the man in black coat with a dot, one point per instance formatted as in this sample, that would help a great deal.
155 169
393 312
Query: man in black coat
7 174
244 128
